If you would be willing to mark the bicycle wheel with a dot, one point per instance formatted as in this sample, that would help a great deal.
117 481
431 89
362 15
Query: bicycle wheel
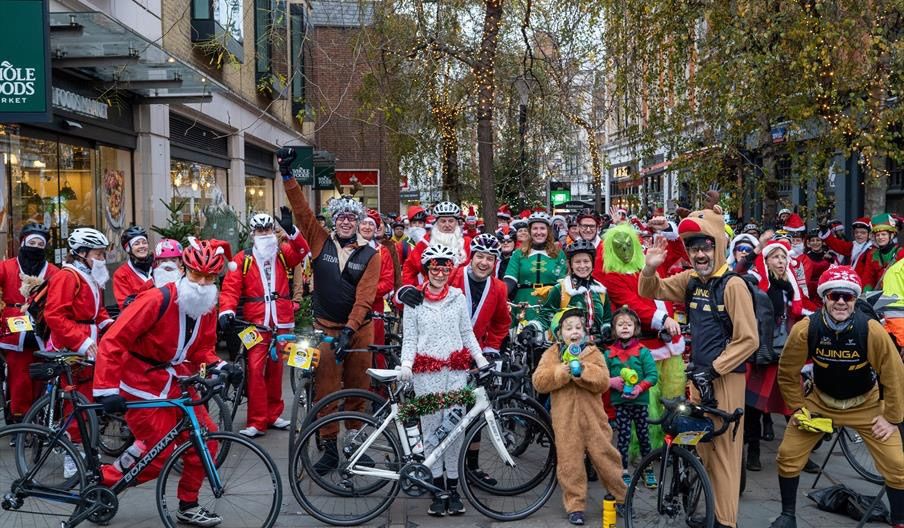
52 416
251 485
369 402
301 406
683 491
219 412
858 456
4 392
525 403
34 444
321 482
520 490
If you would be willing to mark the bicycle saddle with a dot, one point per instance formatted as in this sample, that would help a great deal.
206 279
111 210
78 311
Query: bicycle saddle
52 356
383 375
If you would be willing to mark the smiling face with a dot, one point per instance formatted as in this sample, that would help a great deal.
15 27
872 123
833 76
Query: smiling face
346 225
523 235
538 233
140 247
483 265
702 254
582 265
438 273
815 244
882 238
587 228
861 235
572 329
367 230
839 304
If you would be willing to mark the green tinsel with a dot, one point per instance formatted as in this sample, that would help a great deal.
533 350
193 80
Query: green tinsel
433 402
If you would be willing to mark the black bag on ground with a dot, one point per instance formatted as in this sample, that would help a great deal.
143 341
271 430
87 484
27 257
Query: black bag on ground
845 501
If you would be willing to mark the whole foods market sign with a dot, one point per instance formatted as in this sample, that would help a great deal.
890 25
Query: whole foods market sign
24 62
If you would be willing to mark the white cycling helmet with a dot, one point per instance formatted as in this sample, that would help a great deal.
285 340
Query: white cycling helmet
86 238
446 209
438 252
539 216
486 243
261 221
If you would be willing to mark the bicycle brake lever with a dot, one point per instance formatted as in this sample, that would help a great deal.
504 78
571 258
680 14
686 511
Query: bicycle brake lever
737 424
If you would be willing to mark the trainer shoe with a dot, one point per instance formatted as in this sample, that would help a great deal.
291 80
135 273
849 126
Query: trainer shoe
437 508
455 506
251 432
330 459
198 516
649 479
281 423
576 518
784 521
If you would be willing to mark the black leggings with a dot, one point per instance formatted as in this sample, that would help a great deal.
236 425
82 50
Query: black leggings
625 415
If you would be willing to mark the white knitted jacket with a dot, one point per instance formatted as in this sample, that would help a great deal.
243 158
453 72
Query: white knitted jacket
436 330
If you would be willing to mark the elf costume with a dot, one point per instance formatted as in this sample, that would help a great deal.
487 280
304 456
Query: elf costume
534 272
880 258
591 298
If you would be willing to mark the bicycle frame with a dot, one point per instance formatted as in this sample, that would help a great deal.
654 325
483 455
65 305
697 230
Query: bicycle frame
482 406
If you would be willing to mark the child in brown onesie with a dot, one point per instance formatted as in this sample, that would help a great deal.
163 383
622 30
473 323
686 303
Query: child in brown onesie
575 375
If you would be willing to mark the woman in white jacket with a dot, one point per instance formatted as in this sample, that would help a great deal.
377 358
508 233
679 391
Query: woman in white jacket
438 346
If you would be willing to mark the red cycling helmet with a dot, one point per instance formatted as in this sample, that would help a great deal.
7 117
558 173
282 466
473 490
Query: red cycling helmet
207 256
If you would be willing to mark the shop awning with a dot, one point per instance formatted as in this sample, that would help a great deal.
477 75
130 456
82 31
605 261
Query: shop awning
94 45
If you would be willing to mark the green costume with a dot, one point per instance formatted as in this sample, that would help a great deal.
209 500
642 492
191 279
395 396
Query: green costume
537 270
564 295
641 361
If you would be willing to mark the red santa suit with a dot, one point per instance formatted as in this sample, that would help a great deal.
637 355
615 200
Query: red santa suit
264 293
412 270
75 314
384 287
22 390
128 280
140 356
852 251
491 318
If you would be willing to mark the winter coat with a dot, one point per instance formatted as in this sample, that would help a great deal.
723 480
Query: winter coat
128 280
13 298
641 362
492 318
74 310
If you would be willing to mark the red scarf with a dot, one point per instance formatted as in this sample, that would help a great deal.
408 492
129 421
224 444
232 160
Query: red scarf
623 352
430 296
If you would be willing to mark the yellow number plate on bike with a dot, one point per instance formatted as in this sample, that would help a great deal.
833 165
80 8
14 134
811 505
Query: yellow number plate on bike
19 324
689 437
299 357
250 337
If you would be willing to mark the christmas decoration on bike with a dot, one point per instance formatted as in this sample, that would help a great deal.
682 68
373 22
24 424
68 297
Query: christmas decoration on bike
305 358
250 337
433 402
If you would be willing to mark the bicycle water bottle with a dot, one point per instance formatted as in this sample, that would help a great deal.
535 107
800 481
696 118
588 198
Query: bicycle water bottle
130 456
449 422
413 431
609 511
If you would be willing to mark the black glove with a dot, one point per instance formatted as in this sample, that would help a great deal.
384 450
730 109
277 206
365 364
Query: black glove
233 374
226 320
411 296
342 343
114 403
285 220
702 378
285 156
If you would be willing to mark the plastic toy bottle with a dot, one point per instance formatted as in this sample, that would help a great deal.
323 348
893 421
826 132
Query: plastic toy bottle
609 516
630 378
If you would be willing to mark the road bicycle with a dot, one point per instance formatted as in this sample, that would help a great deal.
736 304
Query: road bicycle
376 460
244 487
684 496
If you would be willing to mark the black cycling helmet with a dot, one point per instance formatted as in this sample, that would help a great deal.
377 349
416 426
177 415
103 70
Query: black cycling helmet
34 229
129 234
580 246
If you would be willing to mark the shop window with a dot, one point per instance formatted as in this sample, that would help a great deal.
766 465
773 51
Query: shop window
258 196
297 32
368 194
263 19
198 186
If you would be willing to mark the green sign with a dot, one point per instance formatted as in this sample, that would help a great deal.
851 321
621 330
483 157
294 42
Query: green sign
558 197
25 62
303 166
324 177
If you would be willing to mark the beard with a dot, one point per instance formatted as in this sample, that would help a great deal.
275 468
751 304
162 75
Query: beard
265 247
165 274
194 299
416 233
454 241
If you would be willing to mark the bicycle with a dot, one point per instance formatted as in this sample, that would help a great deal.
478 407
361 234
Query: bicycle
378 457
684 491
4 391
31 482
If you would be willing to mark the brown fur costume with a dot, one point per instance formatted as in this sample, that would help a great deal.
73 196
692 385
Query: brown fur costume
580 424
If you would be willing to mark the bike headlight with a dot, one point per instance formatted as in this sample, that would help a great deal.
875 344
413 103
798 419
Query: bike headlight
304 343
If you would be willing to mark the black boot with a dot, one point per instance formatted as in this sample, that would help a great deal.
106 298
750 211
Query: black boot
330 459
753 457
471 463
788 488
896 501
768 429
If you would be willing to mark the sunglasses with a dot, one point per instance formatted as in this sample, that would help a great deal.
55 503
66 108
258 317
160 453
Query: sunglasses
744 249
836 296
441 270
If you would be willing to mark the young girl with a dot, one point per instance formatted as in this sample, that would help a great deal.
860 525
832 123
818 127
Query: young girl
575 375
630 399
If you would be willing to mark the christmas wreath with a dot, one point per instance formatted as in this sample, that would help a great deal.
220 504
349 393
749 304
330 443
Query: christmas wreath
433 402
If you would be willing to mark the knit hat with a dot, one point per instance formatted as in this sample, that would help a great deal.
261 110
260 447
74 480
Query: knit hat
883 222
839 277
862 222
795 224
772 245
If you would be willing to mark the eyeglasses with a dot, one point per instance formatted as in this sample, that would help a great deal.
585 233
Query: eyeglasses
744 249
701 248
836 296
441 270
587 227
346 218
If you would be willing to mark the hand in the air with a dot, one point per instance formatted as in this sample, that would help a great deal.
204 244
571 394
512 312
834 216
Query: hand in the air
655 256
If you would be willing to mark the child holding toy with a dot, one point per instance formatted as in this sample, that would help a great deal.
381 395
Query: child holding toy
575 375
632 371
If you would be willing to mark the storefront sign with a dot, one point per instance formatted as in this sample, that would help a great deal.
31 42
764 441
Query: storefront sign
303 166
409 195
621 173
559 197
324 177
24 62
79 104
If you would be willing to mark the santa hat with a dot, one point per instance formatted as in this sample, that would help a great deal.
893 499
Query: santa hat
373 216
472 215
774 244
414 210
220 246
883 222
761 273
795 224
839 277
504 212
862 223
524 214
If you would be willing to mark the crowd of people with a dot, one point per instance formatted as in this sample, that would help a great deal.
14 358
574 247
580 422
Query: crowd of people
609 300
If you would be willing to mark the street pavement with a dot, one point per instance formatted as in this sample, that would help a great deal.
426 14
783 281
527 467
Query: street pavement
760 502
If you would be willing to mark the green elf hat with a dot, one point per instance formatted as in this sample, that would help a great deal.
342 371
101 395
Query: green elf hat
884 222
564 313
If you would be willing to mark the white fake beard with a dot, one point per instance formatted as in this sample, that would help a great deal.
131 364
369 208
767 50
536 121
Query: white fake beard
416 233
165 274
797 250
195 300
454 241
265 247
99 272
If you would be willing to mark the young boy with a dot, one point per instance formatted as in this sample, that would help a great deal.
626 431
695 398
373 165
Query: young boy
629 397
575 375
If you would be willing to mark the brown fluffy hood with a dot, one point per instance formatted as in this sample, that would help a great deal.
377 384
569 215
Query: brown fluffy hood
710 223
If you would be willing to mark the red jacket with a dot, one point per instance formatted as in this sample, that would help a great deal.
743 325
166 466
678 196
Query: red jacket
814 269
10 284
387 278
128 281
492 319
845 248
247 288
74 311
142 331
411 270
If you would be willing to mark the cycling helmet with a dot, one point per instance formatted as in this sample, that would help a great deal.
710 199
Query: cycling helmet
345 205
261 221
438 252
751 226
539 216
505 234
86 238
207 256
580 246
520 223
446 209
486 243
131 233
564 313
34 229
168 248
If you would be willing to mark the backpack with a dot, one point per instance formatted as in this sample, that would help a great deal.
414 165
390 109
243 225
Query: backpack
765 354
37 301
863 312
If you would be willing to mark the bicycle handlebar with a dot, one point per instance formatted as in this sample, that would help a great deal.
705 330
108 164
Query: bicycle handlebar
212 386
244 324
681 405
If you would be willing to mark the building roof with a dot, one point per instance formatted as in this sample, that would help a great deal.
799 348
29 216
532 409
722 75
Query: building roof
341 13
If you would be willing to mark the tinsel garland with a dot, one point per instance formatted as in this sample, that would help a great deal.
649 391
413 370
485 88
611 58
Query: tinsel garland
433 402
